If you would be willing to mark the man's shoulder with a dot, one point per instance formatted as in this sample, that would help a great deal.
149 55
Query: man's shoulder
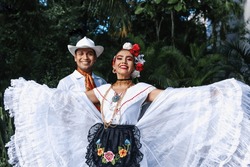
99 79
69 82
67 77
74 74
96 76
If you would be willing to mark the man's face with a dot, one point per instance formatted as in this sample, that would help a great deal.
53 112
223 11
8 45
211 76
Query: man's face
85 58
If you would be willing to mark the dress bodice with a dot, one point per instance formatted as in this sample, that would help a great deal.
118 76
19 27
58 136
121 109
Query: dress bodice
130 105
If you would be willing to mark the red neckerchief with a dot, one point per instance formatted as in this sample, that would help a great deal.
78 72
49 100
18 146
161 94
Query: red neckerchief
89 83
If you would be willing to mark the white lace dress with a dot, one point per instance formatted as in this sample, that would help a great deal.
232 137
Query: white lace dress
196 126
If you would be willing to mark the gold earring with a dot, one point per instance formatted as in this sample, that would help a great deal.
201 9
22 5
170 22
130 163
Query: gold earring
114 71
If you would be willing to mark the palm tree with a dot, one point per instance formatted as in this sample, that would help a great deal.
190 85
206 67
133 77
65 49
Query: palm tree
115 16
167 66
238 56
221 14
205 68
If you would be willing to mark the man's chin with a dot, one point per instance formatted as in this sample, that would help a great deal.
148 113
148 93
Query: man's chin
85 68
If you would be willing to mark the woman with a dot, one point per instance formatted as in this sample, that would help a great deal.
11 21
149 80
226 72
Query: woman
120 109
196 126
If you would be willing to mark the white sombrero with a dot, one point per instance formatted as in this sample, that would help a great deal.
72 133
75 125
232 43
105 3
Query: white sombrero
86 43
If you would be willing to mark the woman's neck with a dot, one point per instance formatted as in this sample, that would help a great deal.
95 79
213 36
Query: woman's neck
123 82
126 79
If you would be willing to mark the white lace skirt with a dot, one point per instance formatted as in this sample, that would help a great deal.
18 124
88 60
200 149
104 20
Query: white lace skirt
184 127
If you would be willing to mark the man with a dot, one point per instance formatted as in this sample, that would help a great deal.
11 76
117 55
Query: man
85 55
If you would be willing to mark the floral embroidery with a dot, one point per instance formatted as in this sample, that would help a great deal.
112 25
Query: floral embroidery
100 151
123 153
109 156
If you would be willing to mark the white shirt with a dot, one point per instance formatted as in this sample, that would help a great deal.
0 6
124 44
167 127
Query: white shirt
76 82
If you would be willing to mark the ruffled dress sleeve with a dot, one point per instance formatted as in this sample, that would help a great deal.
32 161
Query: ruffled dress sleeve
51 125
198 127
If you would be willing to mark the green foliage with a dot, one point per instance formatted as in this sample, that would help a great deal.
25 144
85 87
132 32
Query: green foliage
6 130
205 67
167 66
115 15
238 57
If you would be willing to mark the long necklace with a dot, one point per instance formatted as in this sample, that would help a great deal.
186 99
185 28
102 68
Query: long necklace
116 109
117 96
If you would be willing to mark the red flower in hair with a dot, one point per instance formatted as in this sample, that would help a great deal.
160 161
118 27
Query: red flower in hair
135 50
139 67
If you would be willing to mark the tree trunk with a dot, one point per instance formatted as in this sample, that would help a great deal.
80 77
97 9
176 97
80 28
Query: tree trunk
172 28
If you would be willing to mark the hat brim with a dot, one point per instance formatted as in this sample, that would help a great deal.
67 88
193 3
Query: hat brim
98 49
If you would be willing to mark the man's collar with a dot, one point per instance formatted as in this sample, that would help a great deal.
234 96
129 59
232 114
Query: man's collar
79 75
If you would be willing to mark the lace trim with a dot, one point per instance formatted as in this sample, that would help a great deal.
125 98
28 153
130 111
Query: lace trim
13 159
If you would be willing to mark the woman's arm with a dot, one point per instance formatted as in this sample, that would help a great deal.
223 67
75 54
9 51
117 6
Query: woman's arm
153 94
91 95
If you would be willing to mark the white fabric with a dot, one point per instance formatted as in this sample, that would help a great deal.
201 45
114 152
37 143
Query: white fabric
76 82
130 106
183 127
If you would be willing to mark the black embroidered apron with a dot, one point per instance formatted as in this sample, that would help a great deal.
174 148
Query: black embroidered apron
116 146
